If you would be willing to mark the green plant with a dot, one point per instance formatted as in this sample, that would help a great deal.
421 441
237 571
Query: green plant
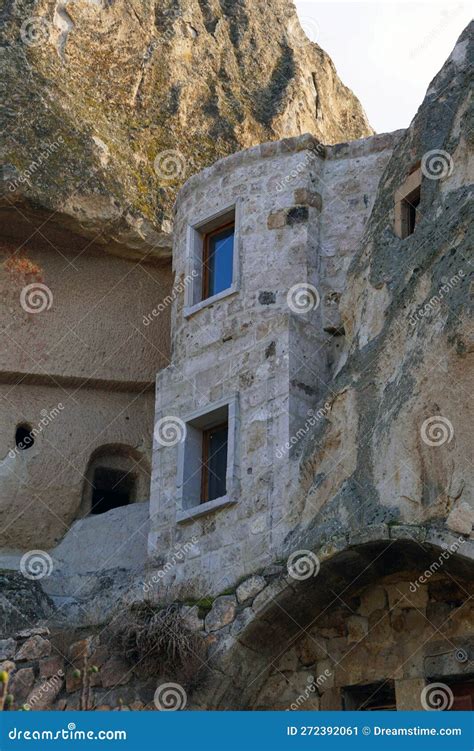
9 699
86 673
4 678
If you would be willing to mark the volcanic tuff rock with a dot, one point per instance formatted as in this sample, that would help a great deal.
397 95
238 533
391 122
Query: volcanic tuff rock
398 423
96 91
22 602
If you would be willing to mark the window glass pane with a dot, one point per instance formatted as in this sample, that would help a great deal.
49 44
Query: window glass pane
217 463
220 261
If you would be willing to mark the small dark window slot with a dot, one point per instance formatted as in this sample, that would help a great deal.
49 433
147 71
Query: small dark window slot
24 438
410 206
112 488
335 330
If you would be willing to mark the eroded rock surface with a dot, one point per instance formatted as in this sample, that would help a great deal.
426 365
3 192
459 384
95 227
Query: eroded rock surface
393 447
22 603
111 106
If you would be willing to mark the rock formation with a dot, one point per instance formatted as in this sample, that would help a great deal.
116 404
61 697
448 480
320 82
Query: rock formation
398 420
112 105
380 509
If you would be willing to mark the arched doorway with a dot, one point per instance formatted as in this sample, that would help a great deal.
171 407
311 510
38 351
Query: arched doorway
379 624
116 476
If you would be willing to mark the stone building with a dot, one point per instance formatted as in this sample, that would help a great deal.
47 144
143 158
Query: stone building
309 515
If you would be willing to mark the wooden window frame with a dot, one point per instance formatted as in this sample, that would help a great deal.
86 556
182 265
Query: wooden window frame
206 255
205 458
406 191
410 204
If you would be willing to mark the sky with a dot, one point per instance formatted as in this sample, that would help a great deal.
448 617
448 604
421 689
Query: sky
386 52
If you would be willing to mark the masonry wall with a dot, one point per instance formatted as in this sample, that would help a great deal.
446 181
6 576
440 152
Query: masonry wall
254 344
398 633
348 186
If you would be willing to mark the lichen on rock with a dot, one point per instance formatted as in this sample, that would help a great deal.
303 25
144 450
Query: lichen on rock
112 106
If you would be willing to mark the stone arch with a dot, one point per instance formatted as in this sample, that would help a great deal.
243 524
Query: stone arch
256 650
121 471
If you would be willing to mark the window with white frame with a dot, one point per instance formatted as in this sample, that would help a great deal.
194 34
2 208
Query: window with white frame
212 259
207 465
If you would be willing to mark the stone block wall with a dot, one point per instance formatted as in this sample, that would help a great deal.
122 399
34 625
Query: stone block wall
348 187
397 633
264 344
60 672
396 636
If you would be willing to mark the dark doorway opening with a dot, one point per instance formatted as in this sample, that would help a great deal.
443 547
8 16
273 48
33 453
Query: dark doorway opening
463 696
370 697
24 438
112 488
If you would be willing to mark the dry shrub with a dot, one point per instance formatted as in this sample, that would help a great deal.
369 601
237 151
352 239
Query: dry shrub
158 641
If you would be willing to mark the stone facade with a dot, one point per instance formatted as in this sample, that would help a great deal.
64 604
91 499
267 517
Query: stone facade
255 345
386 637
337 569
377 646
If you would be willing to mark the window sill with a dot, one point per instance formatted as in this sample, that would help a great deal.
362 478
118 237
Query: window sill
195 512
190 311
